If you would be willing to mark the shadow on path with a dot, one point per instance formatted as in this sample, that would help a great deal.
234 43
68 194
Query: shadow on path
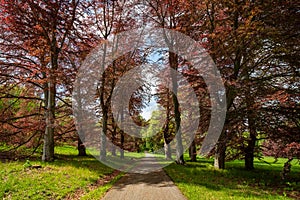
145 186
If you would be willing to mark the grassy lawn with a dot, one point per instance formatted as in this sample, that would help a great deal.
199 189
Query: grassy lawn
201 181
75 177
123 164
55 180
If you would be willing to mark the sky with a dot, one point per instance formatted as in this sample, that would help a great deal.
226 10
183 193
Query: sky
147 112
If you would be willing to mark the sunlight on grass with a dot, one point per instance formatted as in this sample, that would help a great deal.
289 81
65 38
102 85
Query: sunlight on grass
100 191
201 181
54 180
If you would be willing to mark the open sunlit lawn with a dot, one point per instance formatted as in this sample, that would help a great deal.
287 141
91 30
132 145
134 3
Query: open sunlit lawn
201 181
54 180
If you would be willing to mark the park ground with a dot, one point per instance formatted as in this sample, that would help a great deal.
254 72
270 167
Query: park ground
73 177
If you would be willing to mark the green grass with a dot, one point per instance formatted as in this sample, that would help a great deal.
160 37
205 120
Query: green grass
100 191
70 173
116 162
201 181
54 180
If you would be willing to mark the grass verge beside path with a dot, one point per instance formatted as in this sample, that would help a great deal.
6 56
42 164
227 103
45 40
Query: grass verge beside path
53 180
201 181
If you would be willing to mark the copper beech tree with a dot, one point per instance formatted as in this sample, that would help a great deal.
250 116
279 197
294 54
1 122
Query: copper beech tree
253 50
34 36
254 44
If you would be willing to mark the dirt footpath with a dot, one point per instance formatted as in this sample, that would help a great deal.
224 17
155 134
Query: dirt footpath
147 186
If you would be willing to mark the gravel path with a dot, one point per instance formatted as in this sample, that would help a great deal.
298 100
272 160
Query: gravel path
145 186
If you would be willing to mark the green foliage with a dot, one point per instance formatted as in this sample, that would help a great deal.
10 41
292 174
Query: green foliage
154 139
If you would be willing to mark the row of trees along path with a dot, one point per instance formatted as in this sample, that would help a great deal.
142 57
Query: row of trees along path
254 44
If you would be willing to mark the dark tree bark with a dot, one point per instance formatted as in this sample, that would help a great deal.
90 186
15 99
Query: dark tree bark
173 60
220 154
193 152
286 169
166 132
81 147
249 150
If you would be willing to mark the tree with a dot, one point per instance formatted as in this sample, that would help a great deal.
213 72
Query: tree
107 17
164 14
242 45
20 118
41 30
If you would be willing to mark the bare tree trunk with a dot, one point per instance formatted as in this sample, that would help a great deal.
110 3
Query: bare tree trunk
122 135
81 147
173 60
219 161
168 153
104 107
48 148
80 121
122 145
167 147
103 136
113 148
136 145
286 169
220 152
193 152
249 151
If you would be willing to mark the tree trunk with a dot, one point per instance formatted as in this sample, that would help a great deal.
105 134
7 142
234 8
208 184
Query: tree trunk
166 132
249 156
136 145
219 161
122 134
249 151
193 152
103 136
179 147
81 147
80 121
168 153
122 145
81 133
113 148
104 107
173 60
48 148
286 169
